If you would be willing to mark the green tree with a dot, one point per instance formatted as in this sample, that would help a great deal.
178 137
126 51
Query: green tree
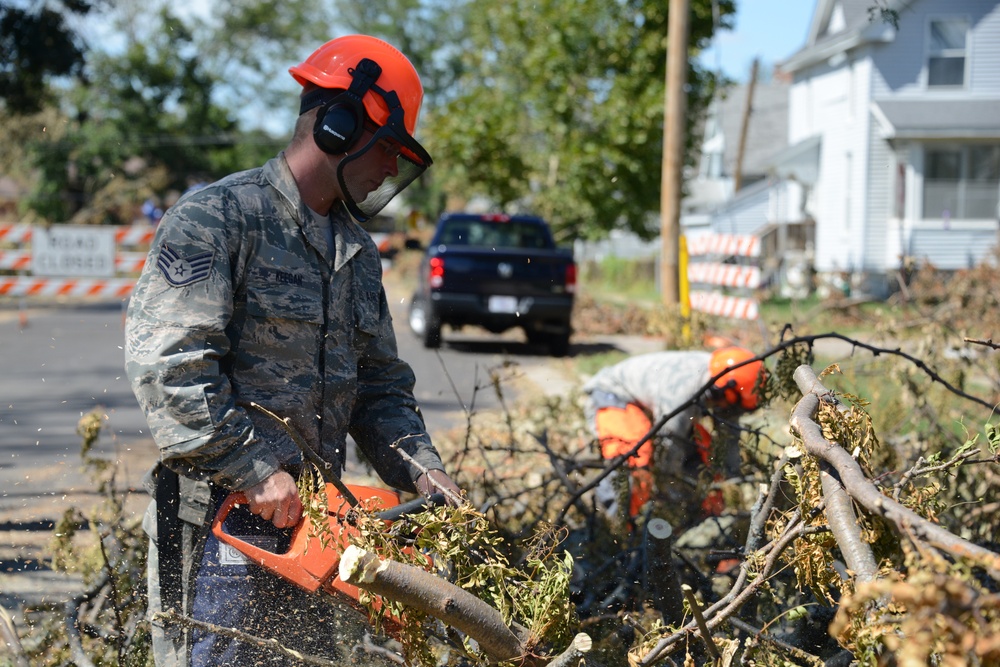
561 112
528 105
250 44
36 44
143 124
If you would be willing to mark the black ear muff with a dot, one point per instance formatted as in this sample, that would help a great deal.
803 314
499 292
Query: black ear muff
724 393
341 118
339 124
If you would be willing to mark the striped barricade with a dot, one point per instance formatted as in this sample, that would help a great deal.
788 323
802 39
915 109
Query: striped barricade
710 273
736 307
19 233
20 260
731 245
68 287
726 275
15 258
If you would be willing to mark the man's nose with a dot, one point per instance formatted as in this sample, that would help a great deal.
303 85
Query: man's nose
390 166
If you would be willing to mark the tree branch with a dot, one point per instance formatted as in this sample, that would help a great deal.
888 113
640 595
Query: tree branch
330 476
437 597
272 644
8 631
844 526
864 492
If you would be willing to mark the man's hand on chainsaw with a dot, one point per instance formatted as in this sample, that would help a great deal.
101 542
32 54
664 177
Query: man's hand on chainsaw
434 481
276 499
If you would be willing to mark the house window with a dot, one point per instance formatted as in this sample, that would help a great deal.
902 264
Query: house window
946 52
962 182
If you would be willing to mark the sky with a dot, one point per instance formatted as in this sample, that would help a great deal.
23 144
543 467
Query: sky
769 29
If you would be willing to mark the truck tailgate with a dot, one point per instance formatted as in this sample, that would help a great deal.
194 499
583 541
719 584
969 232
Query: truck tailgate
486 271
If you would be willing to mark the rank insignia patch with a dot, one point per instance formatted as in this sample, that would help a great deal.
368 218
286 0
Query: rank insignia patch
180 271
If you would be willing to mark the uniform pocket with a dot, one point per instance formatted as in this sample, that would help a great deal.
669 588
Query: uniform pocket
366 311
284 302
279 339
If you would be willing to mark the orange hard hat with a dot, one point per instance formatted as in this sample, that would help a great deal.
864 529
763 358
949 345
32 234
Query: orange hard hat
739 385
332 65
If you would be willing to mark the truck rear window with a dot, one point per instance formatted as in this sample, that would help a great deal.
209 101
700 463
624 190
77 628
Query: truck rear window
489 234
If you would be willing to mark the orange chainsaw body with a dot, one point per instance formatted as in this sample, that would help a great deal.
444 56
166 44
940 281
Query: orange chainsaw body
307 563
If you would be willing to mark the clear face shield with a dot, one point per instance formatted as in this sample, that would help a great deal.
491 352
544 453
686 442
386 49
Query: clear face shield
383 167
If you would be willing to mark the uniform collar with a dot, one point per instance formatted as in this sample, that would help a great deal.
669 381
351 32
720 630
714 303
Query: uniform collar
347 239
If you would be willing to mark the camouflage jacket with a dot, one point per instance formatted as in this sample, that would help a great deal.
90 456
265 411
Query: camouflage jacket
659 382
241 304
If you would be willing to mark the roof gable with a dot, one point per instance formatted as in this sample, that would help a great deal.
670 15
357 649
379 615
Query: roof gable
834 17
840 25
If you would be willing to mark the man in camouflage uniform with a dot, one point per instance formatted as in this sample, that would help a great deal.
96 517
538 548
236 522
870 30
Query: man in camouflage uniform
626 399
260 290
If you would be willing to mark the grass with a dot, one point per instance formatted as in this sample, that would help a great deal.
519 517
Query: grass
589 364
616 279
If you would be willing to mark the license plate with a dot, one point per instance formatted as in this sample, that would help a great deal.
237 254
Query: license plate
502 304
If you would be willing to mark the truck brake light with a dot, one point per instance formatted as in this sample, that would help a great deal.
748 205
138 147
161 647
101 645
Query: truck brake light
571 278
436 275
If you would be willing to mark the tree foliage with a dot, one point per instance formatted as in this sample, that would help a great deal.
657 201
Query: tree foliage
141 125
36 44
527 105
561 112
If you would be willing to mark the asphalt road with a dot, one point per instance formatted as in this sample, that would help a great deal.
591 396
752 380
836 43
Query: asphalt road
63 361
68 361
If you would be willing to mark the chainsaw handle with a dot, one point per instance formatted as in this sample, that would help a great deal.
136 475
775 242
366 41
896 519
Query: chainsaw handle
307 562
412 507
232 500
310 574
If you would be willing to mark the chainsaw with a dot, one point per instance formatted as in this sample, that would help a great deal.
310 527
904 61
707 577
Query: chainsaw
307 563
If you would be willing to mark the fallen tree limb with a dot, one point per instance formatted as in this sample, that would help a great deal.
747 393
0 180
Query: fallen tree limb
615 463
170 616
425 592
433 595
572 656
741 592
844 526
10 637
864 492
77 654
764 636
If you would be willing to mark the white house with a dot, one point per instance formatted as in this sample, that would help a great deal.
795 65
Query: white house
894 134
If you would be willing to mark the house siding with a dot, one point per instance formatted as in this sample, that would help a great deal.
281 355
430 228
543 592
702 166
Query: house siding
984 76
881 179
854 198
952 249
745 215
832 100
901 65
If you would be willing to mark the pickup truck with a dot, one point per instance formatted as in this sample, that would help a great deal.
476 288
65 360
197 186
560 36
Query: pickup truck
497 272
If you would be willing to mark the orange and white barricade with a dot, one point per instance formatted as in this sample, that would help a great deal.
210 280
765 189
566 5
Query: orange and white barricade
738 272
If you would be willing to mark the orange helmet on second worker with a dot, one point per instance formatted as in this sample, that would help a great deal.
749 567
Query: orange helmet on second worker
331 66
740 385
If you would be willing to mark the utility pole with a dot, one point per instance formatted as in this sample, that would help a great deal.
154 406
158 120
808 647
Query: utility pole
674 109
745 127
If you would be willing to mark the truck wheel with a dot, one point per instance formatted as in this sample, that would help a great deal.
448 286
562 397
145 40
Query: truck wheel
425 324
559 344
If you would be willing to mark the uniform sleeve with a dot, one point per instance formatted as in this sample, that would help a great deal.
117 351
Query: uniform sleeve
175 343
386 411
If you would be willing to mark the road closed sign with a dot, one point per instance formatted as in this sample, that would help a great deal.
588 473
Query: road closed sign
73 250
